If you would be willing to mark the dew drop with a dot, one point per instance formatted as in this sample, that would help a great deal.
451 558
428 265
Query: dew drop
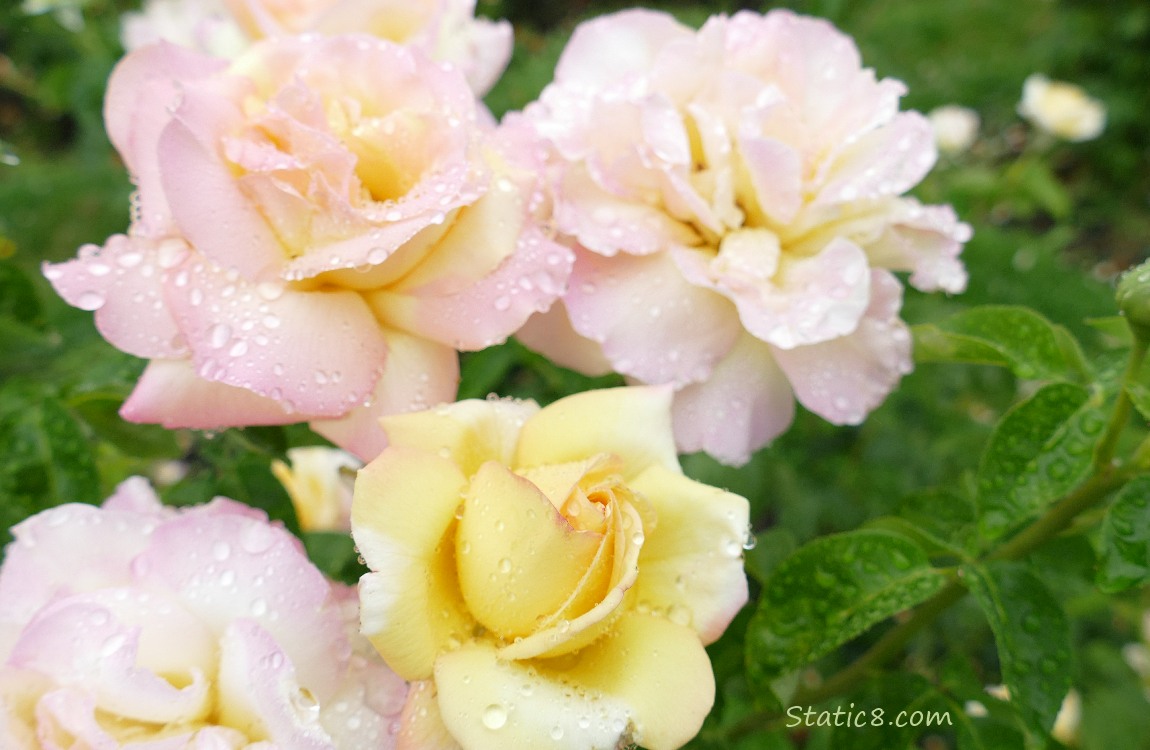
90 301
221 551
259 607
505 565
219 335
502 303
494 716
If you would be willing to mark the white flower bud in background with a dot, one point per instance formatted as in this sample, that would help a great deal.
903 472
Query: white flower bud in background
1069 717
955 128
319 482
1061 109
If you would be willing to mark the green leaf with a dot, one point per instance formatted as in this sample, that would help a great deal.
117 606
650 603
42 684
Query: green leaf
940 519
771 548
891 712
1015 337
1032 635
1140 397
101 411
830 591
1038 450
334 553
48 459
1125 540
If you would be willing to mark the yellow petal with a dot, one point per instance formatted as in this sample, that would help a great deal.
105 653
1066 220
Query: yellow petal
691 566
633 423
519 559
488 703
649 682
402 518
468 432
421 726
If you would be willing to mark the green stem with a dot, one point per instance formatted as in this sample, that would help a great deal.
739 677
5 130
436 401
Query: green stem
1104 454
1104 480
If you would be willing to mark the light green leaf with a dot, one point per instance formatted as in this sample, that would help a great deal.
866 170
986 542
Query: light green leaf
1032 635
1015 337
830 591
1125 542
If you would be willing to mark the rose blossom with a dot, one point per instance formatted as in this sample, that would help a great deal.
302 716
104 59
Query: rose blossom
955 127
319 482
1061 109
138 626
548 577
445 30
733 195
320 225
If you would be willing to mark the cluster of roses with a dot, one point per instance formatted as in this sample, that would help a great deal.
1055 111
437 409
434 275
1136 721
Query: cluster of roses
323 221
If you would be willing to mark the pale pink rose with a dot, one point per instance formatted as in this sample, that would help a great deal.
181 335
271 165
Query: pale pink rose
734 196
445 30
320 225
138 626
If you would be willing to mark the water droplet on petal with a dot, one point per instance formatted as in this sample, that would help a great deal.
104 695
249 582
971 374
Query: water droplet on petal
90 301
494 716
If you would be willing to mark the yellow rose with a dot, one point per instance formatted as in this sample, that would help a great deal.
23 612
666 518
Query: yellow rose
547 577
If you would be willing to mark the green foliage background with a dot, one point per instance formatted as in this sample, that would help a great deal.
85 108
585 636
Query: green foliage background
1054 223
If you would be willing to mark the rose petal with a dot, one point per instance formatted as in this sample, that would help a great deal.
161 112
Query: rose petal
171 394
843 379
631 423
650 321
122 283
519 559
468 432
405 503
745 403
602 53
691 567
261 694
229 579
649 683
550 333
142 89
422 725
278 342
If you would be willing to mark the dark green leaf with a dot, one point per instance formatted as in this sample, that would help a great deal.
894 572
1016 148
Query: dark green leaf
334 553
1015 337
891 712
771 548
1032 635
101 411
1125 543
1040 447
18 299
830 591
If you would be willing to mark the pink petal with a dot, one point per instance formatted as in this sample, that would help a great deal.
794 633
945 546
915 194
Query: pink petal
227 567
54 556
209 207
122 282
744 404
417 374
882 163
261 691
83 645
171 394
315 352
610 49
144 86
652 324
925 240
843 379
550 333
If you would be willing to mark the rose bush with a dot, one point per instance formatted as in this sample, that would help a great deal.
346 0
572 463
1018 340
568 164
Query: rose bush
320 225
446 30
143 627
548 577
734 199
